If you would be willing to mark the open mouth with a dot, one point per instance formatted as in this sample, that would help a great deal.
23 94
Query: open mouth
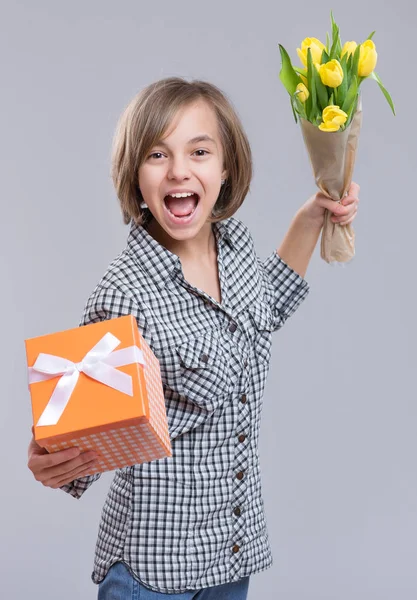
181 208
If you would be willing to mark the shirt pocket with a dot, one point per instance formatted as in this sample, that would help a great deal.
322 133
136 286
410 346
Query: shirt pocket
261 317
203 371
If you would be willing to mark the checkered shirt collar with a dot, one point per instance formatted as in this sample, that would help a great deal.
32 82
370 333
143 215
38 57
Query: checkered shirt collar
160 263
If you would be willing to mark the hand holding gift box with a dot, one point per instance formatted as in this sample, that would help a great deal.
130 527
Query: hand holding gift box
325 94
98 387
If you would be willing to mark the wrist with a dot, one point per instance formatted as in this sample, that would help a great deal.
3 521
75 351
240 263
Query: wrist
308 221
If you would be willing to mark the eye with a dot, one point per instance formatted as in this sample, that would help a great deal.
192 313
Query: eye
155 154
205 152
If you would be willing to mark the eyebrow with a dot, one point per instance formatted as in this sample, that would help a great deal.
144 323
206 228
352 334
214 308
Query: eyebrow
199 138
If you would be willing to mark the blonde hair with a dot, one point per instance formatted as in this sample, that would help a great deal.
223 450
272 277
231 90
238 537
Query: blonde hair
145 121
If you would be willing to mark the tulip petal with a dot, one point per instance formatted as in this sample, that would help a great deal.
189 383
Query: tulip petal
328 127
374 76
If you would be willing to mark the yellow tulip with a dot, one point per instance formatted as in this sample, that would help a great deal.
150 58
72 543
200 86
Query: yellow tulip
334 113
303 92
329 127
304 79
349 47
367 58
331 73
316 47
333 117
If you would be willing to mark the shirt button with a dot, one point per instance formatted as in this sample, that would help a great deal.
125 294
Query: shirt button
237 511
240 475
242 438
243 398
236 548
232 327
204 358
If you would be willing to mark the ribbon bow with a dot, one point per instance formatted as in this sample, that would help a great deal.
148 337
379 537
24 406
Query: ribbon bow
99 364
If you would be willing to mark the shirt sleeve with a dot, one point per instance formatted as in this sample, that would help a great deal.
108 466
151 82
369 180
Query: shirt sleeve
104 303
285 289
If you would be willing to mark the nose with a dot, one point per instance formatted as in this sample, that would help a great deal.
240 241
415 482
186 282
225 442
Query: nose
178 168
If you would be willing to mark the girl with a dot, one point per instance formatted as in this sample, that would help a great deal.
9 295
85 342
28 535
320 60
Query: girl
192 525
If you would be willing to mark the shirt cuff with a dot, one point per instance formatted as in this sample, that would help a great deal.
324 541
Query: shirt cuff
77 487
287 287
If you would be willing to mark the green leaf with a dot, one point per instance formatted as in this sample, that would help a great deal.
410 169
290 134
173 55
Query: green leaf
349 69
293 110
355 63
321 90
299 106
336 43
374 76
351 95
287 75
351 111
343 87
332 20
327 43
339 46
349 62
300 71
333 50
331 99
311 87
370 36
324 58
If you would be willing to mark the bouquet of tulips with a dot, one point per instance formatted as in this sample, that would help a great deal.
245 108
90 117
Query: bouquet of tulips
325 95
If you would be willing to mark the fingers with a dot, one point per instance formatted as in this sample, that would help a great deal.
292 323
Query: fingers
66 468
48 468
354 189
345 220
76 473
40 459
57 468
34 449
340 209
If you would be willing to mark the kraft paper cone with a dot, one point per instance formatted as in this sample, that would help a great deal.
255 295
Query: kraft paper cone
332 156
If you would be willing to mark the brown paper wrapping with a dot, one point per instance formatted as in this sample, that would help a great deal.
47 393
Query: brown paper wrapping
332 156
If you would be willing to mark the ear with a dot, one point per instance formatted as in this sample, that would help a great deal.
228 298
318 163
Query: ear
225 174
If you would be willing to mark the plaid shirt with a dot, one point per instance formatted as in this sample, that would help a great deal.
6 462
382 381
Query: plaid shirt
195 519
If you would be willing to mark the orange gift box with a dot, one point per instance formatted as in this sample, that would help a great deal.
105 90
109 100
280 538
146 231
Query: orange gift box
98 387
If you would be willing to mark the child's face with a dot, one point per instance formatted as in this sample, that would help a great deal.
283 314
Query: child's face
176 164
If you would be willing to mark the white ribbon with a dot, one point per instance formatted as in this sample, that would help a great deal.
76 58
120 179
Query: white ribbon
99 364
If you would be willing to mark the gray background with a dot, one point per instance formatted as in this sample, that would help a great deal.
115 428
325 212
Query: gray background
338 440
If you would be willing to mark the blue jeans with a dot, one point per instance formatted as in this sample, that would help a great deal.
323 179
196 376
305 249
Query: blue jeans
120 585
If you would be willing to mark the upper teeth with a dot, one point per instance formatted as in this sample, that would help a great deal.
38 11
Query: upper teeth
183 195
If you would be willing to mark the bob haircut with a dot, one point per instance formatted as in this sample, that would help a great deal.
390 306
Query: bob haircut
145 121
